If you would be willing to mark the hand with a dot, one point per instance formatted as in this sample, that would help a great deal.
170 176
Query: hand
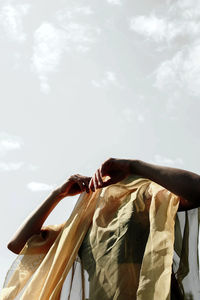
116 169
75 184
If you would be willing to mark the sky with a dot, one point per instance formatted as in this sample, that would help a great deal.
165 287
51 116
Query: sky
82 81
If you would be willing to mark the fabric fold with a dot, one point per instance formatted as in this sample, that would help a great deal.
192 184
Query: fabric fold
101 221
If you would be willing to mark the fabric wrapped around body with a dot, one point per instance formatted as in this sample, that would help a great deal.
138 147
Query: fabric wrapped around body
124 236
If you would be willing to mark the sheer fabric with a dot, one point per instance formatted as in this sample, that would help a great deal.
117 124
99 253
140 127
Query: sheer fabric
124 235
186 253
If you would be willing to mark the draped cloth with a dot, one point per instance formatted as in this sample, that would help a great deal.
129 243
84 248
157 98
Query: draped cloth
124 235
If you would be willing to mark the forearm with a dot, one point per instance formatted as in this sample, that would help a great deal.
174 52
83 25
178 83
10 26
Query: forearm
74 185
33 223
183 183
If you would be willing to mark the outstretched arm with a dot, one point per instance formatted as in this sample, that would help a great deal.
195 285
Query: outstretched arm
32 225
181 182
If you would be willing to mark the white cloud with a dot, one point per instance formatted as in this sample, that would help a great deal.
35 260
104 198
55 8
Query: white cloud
158 159
32 167
44 85
186 8
131 115
128 114
39 186
12 143
15 166
115 2
167 30
78 34
84 10
52 41
73 12
9 142
10 166
151 27
141 118
182 72
11 18
176 27
109 78
49 44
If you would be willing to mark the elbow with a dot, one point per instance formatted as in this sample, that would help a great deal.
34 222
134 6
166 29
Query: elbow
13 247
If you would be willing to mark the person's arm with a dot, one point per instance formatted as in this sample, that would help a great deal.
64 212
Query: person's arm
181 182
32 225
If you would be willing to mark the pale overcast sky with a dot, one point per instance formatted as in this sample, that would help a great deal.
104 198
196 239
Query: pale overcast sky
85 80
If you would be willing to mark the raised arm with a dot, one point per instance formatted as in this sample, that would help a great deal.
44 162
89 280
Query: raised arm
181 182
32 225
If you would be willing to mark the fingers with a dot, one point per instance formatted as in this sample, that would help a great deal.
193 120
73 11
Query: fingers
83 183
96 181
99 178
86 182
79 183
91 184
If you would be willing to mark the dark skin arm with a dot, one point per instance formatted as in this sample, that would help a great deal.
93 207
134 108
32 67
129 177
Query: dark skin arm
180 182
76 184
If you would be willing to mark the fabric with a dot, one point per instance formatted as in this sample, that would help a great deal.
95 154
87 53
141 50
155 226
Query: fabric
186 253
48 274
125 236
120 253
